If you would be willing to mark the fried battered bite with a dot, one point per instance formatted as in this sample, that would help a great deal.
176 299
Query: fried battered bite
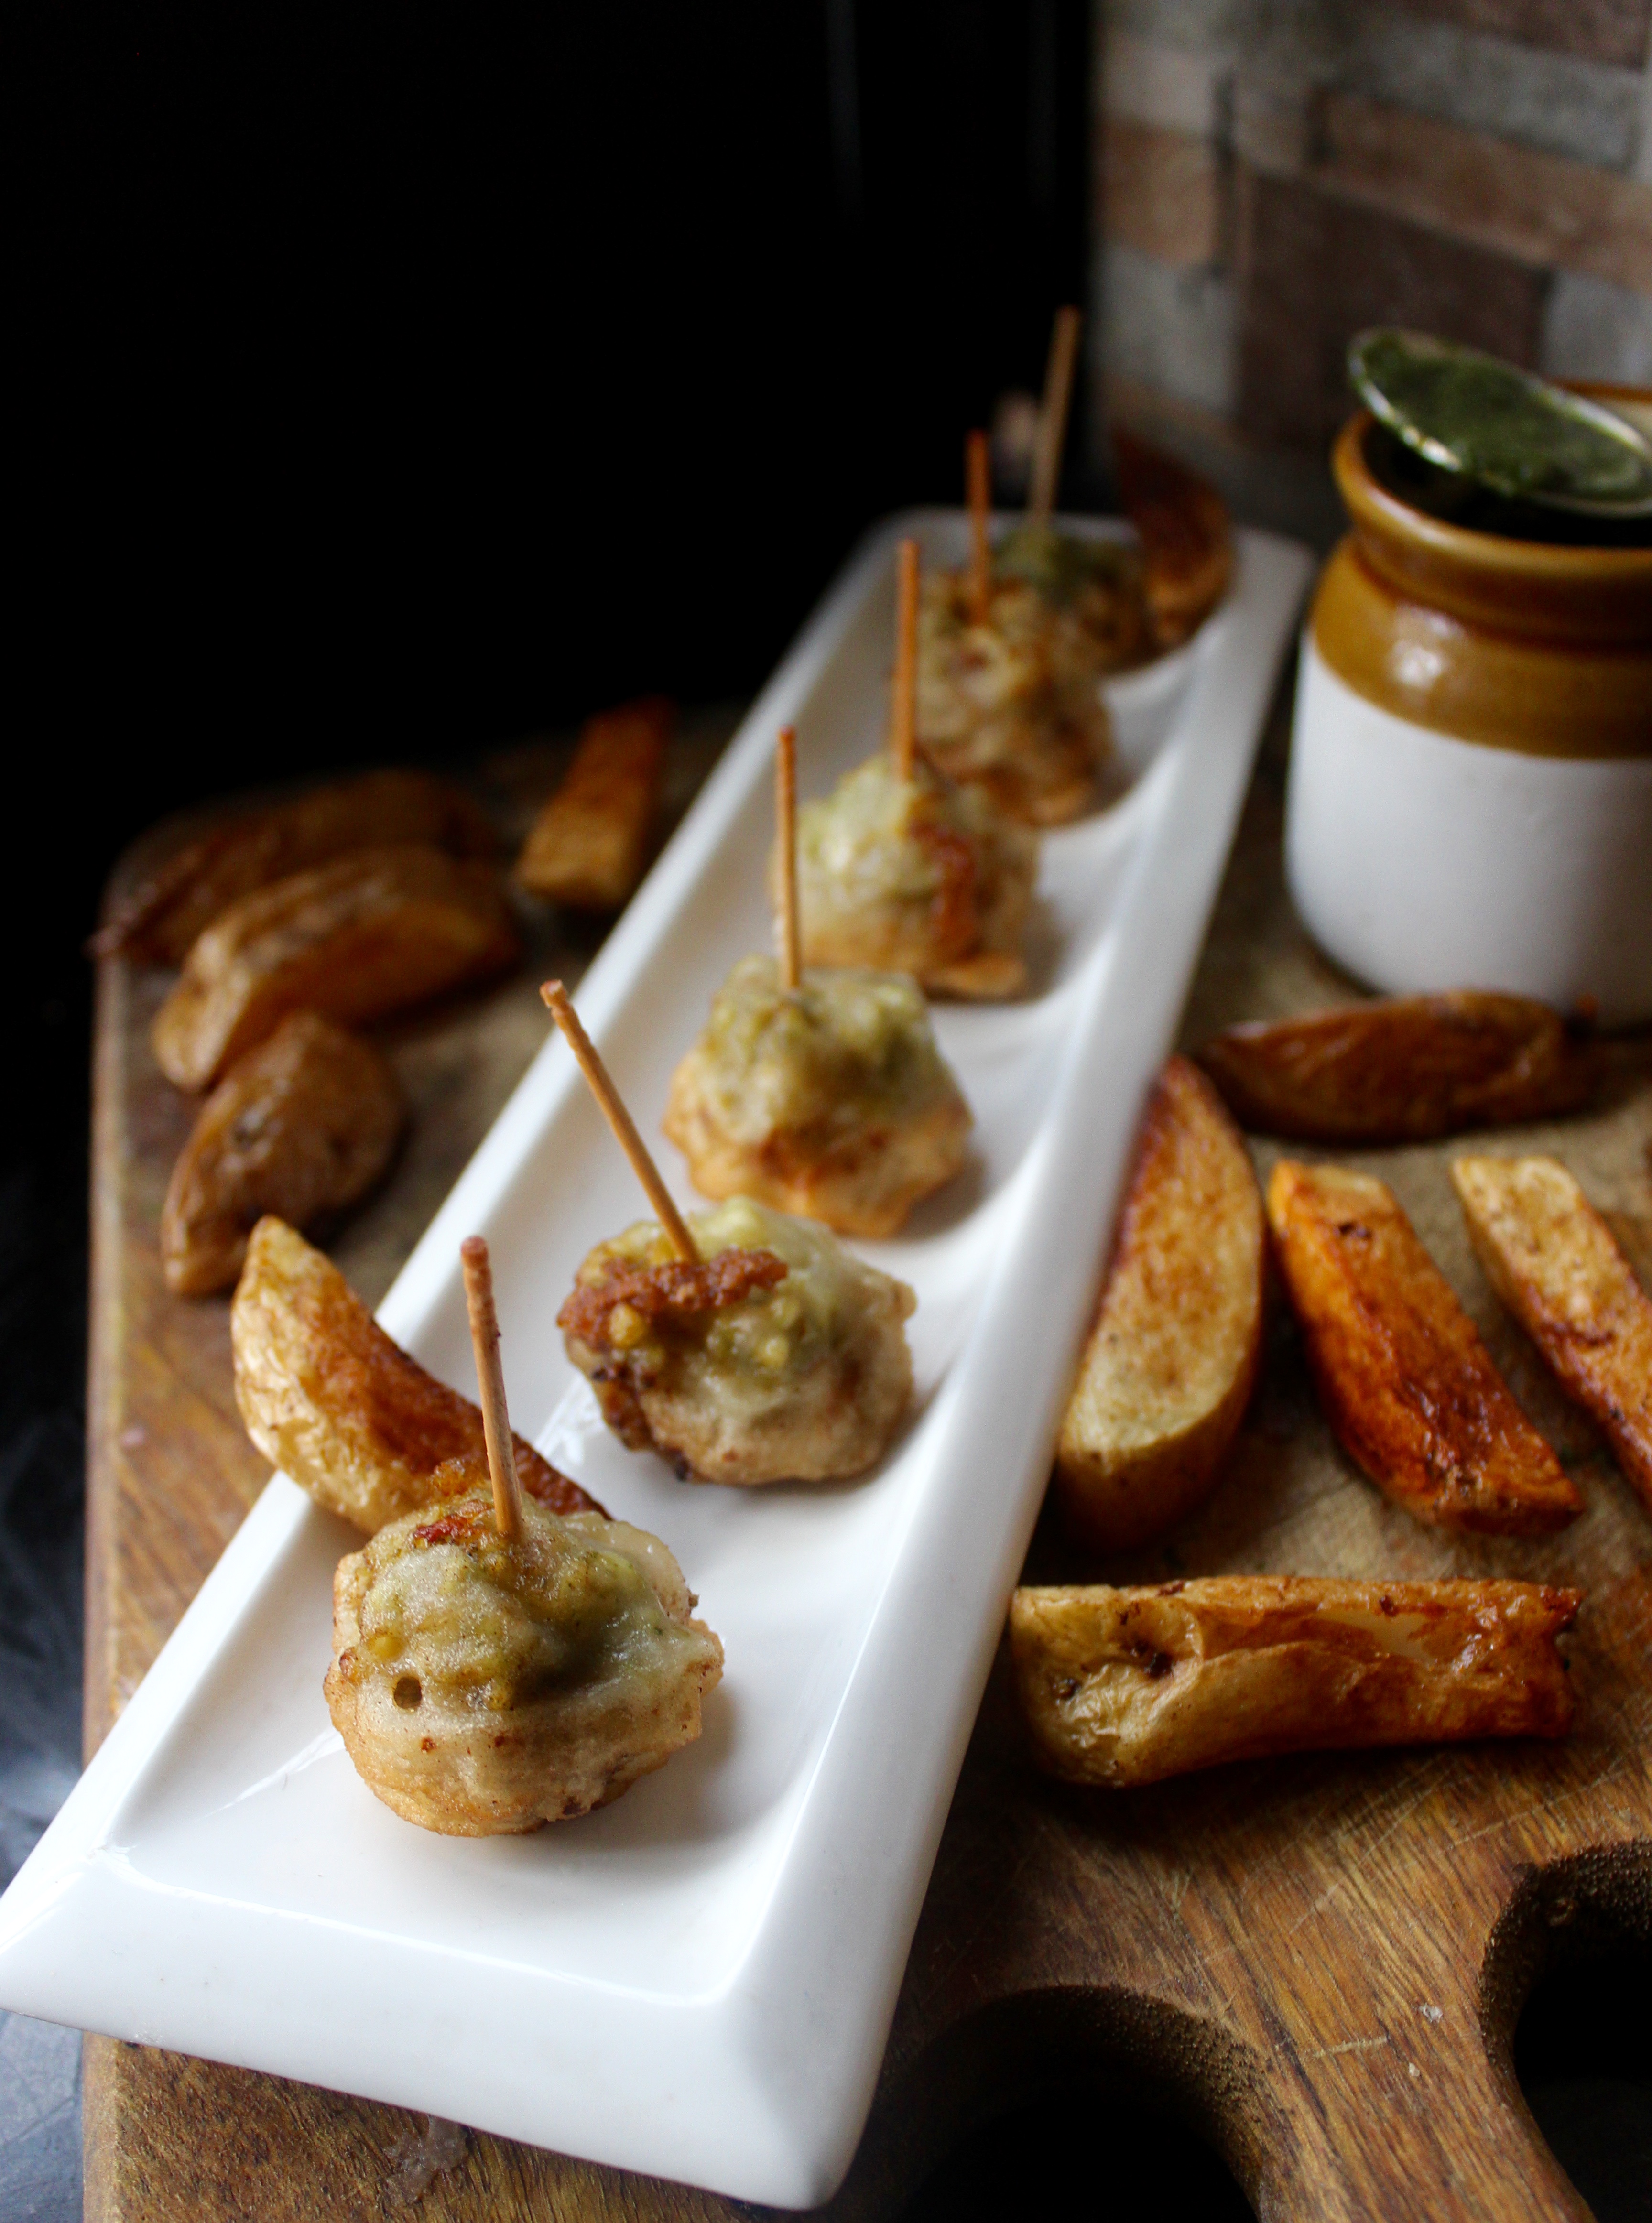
831 1098
1171 1361
918 876
368 935
1401 1068
303 1126
589 844
1186 536
776 1355
1121 1687
1406 1385
1009 696
332 1401
1551 1258
484 1687
161 919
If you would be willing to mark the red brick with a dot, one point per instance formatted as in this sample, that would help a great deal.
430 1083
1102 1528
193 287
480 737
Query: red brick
1539 208
1316 268
1161 192
1595 30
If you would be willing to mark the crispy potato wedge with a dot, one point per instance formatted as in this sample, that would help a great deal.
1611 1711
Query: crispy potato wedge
365 936
161 919
332 1401
1186 536
588 846
1401 1068
1406 1385
1551 1258
1171 1361
302 1126
1127 1686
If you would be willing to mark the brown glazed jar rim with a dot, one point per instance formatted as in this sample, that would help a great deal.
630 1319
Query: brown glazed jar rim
1537 587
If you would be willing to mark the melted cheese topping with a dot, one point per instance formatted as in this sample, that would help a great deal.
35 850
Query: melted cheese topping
847 1049
450 1610
747 1357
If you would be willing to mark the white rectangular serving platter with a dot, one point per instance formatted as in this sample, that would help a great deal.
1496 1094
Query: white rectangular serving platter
697 1981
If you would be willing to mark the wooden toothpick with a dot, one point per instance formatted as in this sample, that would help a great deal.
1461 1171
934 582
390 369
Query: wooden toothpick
902 725
786 929
1052 418
613 1110
978 479
490 1380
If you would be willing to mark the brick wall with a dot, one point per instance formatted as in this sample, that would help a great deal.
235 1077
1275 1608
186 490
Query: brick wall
1271 175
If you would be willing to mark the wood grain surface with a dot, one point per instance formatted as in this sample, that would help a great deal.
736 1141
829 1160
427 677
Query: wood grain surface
1318 1961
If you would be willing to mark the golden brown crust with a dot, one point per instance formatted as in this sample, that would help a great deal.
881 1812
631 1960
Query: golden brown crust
589 844
1401 1068
357 939
1169 1365
679 1289
162 918
1186 536
1551 1258
1406 1385
302 1126
332 1401
1127 1686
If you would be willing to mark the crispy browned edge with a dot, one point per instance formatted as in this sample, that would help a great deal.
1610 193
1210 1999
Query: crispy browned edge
327 962
1147 1492
1409 1389
1234 1667
1186 535
1601 1352
203 1249
612 789
1403 1069
416 1418
161 916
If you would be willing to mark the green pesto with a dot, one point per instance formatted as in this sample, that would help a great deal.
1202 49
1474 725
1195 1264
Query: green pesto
1470 413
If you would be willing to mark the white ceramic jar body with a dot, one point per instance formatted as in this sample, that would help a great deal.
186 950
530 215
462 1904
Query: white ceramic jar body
1422 862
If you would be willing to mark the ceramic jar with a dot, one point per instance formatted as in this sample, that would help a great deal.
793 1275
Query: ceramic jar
1470 801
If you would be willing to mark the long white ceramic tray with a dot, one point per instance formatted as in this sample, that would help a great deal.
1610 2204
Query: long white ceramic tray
697 1981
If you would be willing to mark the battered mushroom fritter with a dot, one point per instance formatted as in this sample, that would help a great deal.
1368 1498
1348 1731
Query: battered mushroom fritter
919 875
777 1355
831 1098
484 1687
1011 699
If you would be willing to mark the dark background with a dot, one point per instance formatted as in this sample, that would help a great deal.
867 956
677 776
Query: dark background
392 381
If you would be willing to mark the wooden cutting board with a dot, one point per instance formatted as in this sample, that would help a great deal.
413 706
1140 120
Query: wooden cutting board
1318 1961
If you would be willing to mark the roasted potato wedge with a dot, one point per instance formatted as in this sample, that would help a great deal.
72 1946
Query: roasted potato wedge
301 1126
1409 1387
332 1401
1401 1068
1551 1258
1127 1686
355 940
162 918
1186 536
1172 1359
588 846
